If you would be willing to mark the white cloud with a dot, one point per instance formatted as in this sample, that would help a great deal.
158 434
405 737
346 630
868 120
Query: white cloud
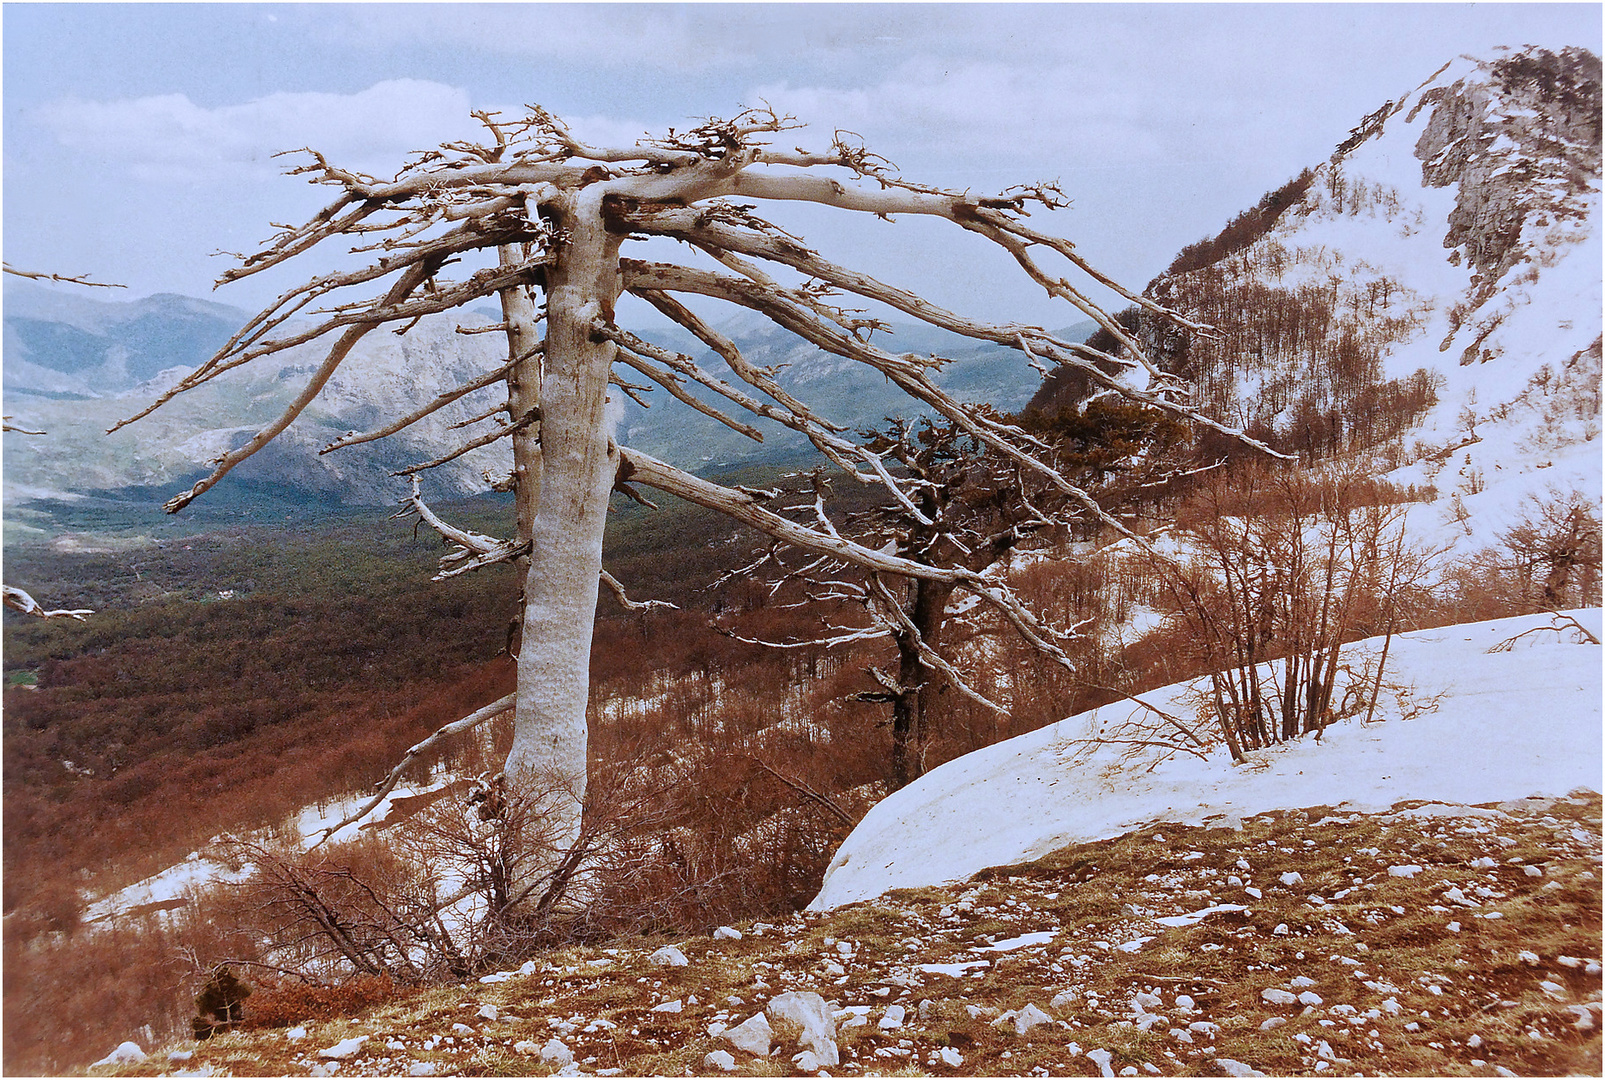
169 138
984 110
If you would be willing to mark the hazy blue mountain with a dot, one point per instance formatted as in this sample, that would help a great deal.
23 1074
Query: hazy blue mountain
76 364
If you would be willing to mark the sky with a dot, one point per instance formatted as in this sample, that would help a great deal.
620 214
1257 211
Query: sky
139 138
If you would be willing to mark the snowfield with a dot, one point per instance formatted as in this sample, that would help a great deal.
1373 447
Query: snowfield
1512 723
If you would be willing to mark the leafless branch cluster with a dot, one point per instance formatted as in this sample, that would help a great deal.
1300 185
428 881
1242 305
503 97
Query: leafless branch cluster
1289 568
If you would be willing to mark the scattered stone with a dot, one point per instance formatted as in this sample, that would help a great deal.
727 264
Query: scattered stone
1277 996
1232 1067
529 967
525 1046
1528 957
1291 878
1568 961
1408 871
727 933
807 1061
1553 990
951 1057
462 1029
1309 997
893 1018
1281 930
487 1012
669 1006
753 1035
127 1053
345 1048
555 1052
180 1055
1063 999
809 1011
719 1059
1022 1020
1101 1059
295 1033
669 956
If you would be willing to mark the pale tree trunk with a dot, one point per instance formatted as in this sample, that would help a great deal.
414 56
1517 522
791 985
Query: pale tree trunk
577 468
521 317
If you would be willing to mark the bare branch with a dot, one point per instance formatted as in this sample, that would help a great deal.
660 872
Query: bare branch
409 281
633 605
413 417
18 600
78 279
888 608
496 708
501 432
807 792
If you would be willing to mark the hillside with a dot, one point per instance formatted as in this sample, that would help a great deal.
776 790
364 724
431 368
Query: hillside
1439 918
1416 896
1429 296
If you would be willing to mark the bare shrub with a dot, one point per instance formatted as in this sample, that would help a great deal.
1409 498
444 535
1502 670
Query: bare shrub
1287 567
1554 550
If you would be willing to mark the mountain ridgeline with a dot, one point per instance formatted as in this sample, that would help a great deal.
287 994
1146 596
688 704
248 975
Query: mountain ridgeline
74 366
1437 275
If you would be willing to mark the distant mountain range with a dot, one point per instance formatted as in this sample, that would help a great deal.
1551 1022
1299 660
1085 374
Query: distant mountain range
1429 295
73 365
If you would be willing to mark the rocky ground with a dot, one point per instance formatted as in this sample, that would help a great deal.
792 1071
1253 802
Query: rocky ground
1429 940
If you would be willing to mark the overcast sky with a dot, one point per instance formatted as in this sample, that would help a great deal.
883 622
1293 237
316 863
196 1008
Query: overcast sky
138 139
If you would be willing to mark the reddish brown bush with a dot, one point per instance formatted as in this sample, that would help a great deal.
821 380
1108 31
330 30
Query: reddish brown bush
280 1004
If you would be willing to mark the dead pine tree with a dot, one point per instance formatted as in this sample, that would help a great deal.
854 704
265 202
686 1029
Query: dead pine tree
969 508
555 214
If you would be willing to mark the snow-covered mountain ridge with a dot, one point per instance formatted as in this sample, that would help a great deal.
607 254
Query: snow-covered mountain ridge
1428 297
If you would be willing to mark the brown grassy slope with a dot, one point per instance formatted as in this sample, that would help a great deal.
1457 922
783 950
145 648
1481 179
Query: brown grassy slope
1400 976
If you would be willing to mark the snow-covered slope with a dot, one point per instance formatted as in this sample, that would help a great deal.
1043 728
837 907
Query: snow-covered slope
1478 194
1513 722
1430 297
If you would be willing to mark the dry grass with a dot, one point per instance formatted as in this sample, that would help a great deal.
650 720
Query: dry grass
1400 991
